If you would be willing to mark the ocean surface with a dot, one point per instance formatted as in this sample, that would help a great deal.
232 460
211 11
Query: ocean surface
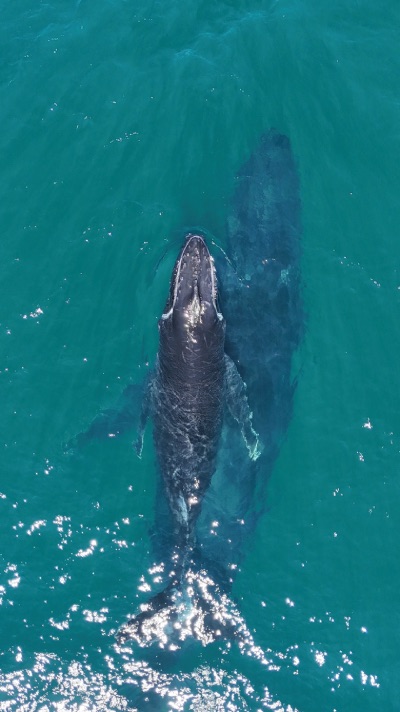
123 123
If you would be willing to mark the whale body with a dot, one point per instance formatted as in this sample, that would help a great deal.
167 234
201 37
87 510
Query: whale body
261 298
194 380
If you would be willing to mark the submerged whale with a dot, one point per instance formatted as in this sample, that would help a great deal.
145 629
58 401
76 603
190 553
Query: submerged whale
194 380
261 298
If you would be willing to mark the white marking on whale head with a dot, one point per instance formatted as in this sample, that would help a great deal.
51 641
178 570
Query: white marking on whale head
194 284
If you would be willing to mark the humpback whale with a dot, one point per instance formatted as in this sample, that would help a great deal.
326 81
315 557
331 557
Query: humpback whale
261 298
194 380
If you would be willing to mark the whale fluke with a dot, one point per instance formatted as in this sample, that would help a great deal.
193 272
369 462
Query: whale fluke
190 607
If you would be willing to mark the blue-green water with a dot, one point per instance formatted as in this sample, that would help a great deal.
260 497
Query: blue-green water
122 123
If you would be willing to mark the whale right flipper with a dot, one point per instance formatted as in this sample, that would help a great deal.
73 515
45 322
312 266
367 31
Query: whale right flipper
146 409
238 405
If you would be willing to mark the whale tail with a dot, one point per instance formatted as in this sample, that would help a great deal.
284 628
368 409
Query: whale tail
189 608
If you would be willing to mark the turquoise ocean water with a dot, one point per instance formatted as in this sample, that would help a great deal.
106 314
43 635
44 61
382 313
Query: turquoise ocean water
121 124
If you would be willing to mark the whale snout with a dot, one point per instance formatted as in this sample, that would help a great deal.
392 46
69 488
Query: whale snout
193 293
197 280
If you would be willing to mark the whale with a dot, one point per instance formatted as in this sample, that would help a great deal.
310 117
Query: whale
194 382
261 296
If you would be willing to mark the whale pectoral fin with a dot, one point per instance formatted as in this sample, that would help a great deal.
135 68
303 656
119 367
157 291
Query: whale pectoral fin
112 421
238 405
144 414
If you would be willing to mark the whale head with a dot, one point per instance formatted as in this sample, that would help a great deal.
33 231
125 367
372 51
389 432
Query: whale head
192 304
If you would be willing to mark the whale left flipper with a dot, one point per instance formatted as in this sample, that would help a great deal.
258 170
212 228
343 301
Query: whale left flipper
112 421
145 412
